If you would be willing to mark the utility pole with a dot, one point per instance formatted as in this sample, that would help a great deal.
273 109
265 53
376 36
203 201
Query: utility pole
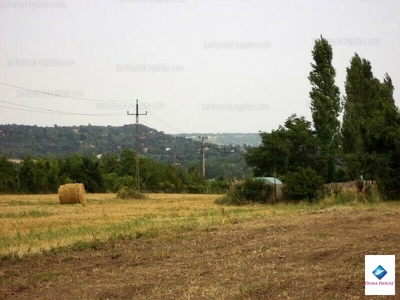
173 159
203 155
137 180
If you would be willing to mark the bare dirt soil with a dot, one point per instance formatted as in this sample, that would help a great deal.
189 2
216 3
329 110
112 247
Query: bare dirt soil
298 255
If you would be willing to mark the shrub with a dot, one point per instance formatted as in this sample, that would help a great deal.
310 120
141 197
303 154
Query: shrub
249 191
128 193
305 184
124 181
196 189
218 186
372 194
109 180
345 197
340 175
224 200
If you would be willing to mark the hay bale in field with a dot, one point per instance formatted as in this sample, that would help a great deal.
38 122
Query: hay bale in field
71 193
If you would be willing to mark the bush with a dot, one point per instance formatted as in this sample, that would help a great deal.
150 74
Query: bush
127 193
196 189
372 194
124 181
340 175
305 184
345 197
109 181
218 186
224 200
249 191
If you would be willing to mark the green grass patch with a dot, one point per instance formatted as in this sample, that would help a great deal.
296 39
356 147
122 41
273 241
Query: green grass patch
32 203
26 214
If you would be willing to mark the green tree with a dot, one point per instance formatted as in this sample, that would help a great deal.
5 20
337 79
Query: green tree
303 184
42 169
195 181
178 178
124 181
110 163
86 170
325 106
285 149
7 175
53 175
91 175
110 180
272 155
27 175
71 169
371 128
358 101
151 174
303 150
128 162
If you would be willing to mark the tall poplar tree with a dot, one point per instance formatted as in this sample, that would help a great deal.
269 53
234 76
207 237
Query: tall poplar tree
325 106
358 101
371 128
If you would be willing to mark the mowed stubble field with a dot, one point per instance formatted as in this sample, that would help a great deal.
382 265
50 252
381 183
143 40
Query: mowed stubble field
178 247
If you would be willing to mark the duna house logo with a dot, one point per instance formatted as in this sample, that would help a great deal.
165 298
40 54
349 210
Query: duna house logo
379 272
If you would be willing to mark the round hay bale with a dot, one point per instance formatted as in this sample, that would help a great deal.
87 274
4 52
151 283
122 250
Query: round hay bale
71 193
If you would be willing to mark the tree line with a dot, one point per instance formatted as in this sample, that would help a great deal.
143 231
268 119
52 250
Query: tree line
364 145
108 173
20 141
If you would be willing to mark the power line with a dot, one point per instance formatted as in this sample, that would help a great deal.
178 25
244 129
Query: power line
177 130
165 123
149 125
50 111
21 109
42 110
37 109
61 96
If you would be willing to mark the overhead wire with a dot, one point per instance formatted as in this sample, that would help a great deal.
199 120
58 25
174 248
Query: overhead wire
165 123
50 111
62 96
22 109
43 110
148 124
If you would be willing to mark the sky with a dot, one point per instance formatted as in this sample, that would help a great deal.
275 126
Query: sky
206 66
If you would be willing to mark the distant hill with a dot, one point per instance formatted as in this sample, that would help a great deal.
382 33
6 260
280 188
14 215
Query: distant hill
18 141
249 139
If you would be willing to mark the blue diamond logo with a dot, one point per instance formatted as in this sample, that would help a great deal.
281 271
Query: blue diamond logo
379 272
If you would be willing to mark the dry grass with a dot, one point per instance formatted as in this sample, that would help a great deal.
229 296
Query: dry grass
33 223
262 252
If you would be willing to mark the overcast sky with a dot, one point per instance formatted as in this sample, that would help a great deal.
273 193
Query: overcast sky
195 65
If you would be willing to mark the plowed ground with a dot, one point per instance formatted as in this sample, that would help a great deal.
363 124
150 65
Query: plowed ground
299 255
